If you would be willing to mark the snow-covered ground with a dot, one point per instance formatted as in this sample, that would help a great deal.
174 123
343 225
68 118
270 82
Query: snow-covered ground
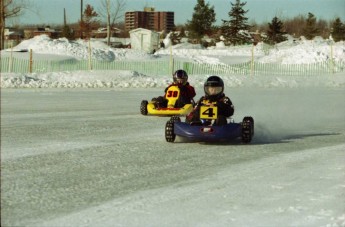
75 156
289 52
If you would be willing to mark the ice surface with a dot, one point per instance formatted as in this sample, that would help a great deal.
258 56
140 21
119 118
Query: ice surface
76 156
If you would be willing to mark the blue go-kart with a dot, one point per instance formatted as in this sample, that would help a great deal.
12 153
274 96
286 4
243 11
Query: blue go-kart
207 131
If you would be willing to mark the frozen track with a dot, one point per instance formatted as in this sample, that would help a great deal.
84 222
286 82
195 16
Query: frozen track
88 158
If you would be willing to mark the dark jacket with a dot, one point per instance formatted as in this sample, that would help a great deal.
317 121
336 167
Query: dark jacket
224 104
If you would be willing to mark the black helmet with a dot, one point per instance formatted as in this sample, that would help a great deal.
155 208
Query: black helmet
180 77
214 87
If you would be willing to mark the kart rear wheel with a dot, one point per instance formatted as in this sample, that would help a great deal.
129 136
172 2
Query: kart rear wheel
175 119
170 136
143 107
247 129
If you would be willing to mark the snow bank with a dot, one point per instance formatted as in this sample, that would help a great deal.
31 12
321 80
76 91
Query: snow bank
289 52
79 49
305 52
127 79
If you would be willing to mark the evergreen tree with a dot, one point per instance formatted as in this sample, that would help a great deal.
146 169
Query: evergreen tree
89 20
67 32
338 30
275 33
310 30
182 33
202 20
236 29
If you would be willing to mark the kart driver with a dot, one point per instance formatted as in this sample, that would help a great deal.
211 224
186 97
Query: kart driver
214 96
180 79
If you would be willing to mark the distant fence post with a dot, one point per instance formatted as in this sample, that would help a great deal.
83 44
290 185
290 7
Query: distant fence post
90 60
30 62
331 60
10 61
171 61
252 61
186 67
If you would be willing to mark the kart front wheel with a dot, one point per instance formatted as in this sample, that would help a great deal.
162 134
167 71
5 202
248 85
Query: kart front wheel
143 107
170 136
247 129
169 132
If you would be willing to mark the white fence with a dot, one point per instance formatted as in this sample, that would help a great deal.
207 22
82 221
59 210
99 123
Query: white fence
162 67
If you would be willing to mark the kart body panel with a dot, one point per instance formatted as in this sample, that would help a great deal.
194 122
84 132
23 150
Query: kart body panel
168 111
226 132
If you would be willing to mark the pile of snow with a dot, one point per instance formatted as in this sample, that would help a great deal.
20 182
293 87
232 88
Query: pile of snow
288 52
130 54
79 49
291 51
305 52
81 79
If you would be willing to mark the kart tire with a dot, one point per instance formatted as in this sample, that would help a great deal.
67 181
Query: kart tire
170 136
247 129
143 107
169 132
175 119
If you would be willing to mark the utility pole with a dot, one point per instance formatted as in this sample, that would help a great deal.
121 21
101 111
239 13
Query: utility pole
2 24
81 18
108 23
81 10
64 17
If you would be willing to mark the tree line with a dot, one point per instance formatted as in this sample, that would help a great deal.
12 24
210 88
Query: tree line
236 30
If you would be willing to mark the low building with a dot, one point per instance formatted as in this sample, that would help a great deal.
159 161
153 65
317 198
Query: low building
144 39
103 32
31 32
12 37
47 31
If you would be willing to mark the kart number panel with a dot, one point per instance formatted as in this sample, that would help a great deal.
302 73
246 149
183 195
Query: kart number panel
208 112
172 95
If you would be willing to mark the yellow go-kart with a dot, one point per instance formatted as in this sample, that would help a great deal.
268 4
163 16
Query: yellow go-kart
172 95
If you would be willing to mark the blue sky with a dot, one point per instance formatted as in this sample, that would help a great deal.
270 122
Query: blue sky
260 11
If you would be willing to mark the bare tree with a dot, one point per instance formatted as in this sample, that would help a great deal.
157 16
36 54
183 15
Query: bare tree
113 11
295 25
11 8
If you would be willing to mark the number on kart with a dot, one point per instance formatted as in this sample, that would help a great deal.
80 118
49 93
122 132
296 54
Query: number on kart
208 112
172 94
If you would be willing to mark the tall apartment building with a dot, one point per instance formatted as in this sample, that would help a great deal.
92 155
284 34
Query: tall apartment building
149 19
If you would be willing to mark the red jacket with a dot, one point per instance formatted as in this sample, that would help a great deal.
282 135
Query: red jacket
187 91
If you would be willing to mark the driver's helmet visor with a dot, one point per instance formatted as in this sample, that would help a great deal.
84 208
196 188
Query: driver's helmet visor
213 90
180 81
